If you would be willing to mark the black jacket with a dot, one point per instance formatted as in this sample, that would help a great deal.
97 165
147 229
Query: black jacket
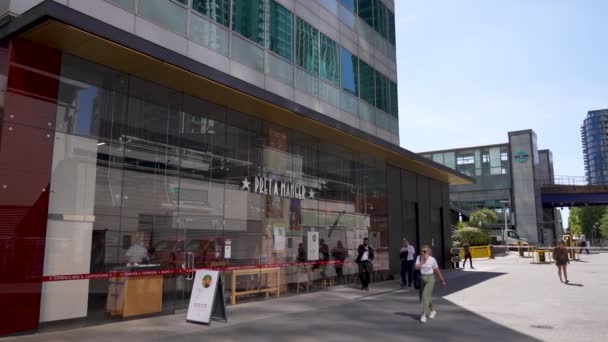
361 250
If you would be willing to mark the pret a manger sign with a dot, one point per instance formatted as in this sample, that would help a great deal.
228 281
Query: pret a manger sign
273 187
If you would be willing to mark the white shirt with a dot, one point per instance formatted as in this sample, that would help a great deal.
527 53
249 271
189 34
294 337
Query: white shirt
136 254
582 238
410 252
365 256
429 266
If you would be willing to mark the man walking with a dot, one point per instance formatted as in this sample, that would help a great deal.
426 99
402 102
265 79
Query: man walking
583 243
467 254
364 259
406 255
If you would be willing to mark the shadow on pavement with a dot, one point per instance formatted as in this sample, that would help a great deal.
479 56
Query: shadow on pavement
574 284
460 280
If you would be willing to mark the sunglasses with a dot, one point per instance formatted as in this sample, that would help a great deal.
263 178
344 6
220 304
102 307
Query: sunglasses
425 251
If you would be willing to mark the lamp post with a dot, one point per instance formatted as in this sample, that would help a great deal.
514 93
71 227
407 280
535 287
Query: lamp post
504 232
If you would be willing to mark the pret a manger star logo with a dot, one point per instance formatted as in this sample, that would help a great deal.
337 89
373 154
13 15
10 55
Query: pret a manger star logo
311 194
245 184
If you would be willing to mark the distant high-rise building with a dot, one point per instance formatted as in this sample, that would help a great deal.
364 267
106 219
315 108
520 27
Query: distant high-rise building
595 146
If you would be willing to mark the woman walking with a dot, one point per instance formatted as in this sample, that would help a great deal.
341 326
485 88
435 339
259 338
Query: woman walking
428 267
560 254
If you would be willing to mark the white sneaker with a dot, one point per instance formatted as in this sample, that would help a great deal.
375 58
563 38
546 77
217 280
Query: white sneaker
423 319
433 314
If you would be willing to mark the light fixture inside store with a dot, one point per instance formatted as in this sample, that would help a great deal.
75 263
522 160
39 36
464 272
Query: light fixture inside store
101 143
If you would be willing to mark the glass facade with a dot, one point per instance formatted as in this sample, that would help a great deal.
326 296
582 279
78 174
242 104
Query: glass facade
330 60
483 161
262 25
280 30
307 46
217 10
248 19
367 83
594 133
146 178
350 72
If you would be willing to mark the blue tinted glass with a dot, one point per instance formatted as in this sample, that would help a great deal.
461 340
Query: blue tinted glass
350 4
349 72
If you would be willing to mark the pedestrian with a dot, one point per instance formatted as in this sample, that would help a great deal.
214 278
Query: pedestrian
583 243
364 260
339 254
428 268
560 254
467 254
409 263
456 257
403 253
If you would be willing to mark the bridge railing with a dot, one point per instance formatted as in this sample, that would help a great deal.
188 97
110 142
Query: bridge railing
565 180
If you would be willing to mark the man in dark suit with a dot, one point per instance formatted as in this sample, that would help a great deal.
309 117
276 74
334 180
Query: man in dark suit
364 259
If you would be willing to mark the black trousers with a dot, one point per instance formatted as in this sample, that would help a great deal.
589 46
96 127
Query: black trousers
407 272
467 256
583 245
365 269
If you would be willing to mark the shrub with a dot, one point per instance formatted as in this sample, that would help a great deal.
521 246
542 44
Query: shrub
475 236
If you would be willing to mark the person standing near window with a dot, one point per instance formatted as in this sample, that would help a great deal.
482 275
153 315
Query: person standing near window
428 267
406 255
364 259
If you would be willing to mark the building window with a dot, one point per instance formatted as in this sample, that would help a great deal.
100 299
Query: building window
248 19
381 92
330 60
380 18
365 11
217 10
350 72
465 159
390 17
394 100
307 47
280 26
366 79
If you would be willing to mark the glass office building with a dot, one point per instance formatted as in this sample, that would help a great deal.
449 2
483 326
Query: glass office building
595 146
143 140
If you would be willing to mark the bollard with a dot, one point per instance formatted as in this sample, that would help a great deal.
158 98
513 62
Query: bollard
521 250
541 255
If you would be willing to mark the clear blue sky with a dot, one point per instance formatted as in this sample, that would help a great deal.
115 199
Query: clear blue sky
469 71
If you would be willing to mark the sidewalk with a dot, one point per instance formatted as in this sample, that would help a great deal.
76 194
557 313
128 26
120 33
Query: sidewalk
386 312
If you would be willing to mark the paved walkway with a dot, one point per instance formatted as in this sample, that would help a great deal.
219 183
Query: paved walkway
505 299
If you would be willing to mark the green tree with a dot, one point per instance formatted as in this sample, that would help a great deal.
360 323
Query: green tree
483 218
574 220
582 219
474 236
604 225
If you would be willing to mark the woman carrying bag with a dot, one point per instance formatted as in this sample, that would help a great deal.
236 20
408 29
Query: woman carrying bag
428 267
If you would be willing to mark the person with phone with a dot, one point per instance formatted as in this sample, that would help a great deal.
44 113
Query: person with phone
428 267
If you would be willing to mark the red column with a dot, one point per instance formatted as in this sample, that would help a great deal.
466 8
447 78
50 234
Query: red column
29 100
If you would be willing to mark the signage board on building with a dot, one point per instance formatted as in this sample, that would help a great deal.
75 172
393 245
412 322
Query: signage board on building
280 188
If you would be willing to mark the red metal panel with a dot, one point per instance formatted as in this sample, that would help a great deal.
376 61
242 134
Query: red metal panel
26 150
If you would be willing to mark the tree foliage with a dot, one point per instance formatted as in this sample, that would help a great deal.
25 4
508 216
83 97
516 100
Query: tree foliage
483 218
604 225
582 219
474 236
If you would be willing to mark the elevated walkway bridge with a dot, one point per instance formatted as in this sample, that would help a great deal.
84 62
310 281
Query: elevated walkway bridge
567 191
